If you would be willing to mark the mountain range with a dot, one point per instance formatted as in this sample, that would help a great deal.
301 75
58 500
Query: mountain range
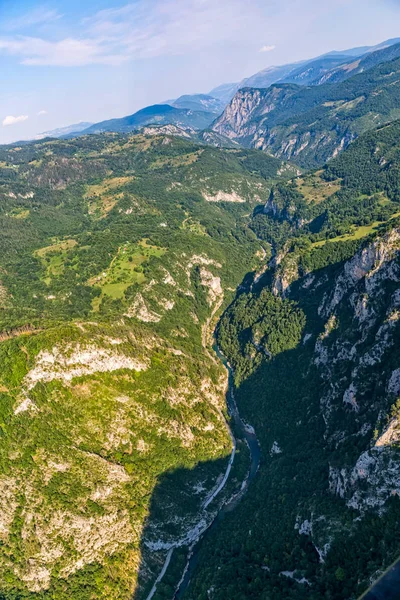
199 345
198 111
305 71
312 124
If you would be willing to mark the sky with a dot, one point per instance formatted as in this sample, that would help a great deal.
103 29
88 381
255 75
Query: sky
66 61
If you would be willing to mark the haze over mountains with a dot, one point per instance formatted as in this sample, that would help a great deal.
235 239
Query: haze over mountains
197 112
312 124
199 344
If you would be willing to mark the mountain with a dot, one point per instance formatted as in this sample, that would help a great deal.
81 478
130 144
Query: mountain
196 111
224 92
313 73
198 102
199 350
215 139
120 254
117 252
310 125
159 114
315 354
353 67
61 131
261 79
304 72
268 76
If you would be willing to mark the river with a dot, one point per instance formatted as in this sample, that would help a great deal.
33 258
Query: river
242 430
246 432
387 587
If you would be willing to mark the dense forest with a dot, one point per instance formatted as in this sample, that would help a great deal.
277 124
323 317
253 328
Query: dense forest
116 253
310 125
120 255
316 375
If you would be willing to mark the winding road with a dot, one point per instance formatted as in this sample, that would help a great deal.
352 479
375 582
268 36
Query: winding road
248 434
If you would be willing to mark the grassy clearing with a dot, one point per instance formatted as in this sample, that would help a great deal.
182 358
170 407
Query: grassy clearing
357 233
62 246
100 207
351 103
125 269
101 197
20 214
193 226
106 186
314 189
53 258
183 160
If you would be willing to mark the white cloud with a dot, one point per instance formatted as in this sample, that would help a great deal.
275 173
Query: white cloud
66 53
42 112
10 120
267 48
142 29
36 17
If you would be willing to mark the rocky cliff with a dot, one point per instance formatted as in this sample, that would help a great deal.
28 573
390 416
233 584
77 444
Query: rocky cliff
311 125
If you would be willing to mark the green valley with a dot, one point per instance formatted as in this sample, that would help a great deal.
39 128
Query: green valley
315 354
199 335
116 253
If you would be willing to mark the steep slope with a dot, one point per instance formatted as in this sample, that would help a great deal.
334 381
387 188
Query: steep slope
116 254
350 198
198 102
310 125
352 67
317 373
159 114
224 92
314 71
306 72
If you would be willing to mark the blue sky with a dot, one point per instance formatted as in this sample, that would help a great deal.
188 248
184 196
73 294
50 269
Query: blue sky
65 61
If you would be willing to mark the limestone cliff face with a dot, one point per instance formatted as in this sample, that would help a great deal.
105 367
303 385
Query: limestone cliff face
252 118
357 356
247 105
310 125
357 360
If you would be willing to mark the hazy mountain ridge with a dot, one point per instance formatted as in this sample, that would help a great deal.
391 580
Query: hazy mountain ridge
364 63
305 71
328 489
119 254
160 114
199 110
62 131
311 125
119 250
198 102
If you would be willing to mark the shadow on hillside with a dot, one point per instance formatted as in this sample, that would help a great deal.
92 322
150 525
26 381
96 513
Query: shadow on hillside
256 547
178 493
236 520
175 509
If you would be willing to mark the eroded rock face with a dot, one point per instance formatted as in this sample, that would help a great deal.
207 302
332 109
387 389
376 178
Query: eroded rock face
356 355
221 196
247 119
78 360
372 264
236 115
75 501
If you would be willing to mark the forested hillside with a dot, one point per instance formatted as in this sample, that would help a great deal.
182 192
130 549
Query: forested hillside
182 115
316 357
119 254
311 125
115 254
